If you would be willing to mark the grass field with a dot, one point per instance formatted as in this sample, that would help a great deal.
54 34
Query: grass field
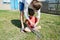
10 27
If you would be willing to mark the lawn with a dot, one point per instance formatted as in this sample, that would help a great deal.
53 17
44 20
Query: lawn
10 27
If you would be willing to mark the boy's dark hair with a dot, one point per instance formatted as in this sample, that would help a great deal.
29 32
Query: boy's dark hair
37 5
31 12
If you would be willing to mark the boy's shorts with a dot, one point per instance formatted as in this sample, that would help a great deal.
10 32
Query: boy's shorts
21 6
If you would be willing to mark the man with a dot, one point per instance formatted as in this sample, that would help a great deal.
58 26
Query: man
23 7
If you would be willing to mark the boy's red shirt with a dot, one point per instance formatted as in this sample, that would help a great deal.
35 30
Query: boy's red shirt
33 19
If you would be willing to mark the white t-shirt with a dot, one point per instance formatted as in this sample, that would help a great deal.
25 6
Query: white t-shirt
27 4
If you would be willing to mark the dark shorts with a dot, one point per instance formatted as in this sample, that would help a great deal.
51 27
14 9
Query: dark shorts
21 6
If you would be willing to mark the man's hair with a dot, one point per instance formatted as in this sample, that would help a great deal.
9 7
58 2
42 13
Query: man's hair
31 12
36 4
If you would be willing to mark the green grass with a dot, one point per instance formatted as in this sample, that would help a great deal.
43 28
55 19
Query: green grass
10 27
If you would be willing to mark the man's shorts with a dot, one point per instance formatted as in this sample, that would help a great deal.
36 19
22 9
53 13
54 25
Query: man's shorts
21 6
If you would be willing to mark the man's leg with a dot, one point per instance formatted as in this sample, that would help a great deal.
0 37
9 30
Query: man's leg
21 8
22 19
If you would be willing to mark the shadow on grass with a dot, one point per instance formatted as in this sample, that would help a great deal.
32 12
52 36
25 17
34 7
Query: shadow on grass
17 23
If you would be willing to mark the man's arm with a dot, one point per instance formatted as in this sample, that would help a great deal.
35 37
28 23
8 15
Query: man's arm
27 3
39 13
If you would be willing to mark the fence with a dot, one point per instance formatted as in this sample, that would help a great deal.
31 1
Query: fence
51 7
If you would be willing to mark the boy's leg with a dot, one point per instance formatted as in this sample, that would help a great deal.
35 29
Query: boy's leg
27 29
37 28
